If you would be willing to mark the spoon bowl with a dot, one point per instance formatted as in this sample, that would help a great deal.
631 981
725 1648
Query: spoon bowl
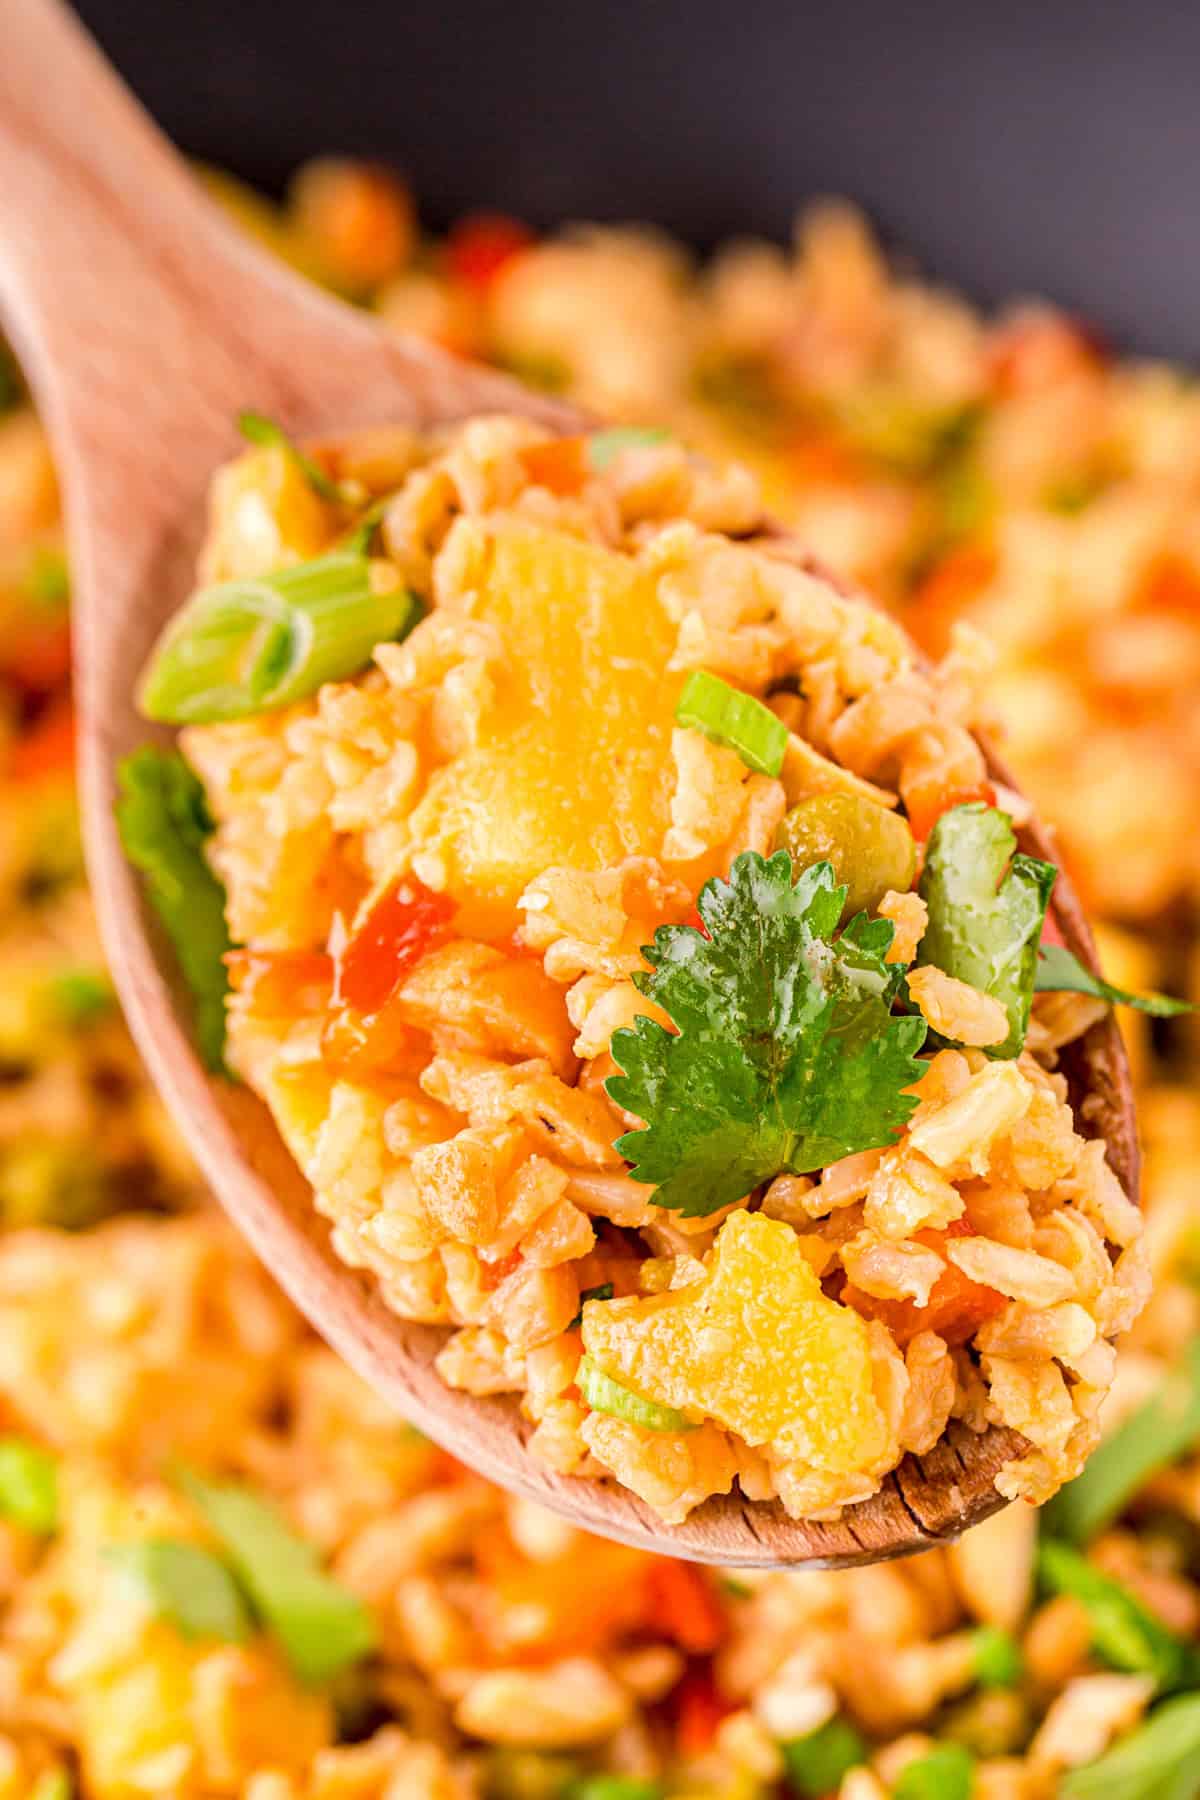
146 323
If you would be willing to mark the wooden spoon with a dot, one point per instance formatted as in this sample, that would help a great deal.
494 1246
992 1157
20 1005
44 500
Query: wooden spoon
145 323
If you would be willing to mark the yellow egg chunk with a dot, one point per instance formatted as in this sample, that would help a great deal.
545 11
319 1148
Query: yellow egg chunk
572 760
756 1346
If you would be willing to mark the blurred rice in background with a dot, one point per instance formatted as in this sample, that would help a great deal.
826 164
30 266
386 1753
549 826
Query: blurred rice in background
1012 473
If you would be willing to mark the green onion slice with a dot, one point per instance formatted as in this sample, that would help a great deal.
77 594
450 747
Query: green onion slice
817 1762
998 1661
322 1626
946 1773
1158 1761
613 1787
727 716
603 446
28 1486
1163 1429
1059 971
256 428
1124 1632
186 1585
245 647
605 1395
55 1784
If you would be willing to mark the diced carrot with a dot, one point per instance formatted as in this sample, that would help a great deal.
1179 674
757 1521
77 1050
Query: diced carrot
824 461
956 1308
37 656
567 1604
1170 583
684 1607
946 593
483 244
405 923
358 217
48 747
696 922
560 465
924 812
699 1710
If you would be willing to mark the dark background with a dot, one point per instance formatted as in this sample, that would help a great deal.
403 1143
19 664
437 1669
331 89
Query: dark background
1014 146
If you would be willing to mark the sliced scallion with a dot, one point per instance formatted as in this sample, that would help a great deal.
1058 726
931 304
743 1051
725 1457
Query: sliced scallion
1158 1761
256 428
817 1762
245 647
1124 1632
55 1784
187 1586
947 1773
28 1486
322 1626
727 716
603 446
605 1395
998 1662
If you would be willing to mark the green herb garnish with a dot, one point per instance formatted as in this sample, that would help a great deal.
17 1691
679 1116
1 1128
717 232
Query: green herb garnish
322 1627
1124 1632
28 1486
987 903
604 446
605 1395
946 1773
816 1763
1160 1760
186 1585
998 1661
247 647
164 823
786 1055
256 428
727 716
1059 971
603 1292
1163 1429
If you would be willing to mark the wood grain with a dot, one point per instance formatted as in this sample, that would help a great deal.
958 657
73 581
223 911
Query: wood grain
145 323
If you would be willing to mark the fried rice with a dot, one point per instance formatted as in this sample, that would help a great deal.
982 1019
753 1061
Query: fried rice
512 1657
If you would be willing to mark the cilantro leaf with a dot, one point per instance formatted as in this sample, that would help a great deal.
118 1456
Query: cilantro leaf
186 1585
163 821
785 1056
1158 1761
322 1626
1060 971
987 903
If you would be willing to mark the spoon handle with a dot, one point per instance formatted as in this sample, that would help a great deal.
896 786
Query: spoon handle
100 227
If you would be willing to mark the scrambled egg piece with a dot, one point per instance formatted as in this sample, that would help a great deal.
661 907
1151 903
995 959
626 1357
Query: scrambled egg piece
572 760
756 1346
